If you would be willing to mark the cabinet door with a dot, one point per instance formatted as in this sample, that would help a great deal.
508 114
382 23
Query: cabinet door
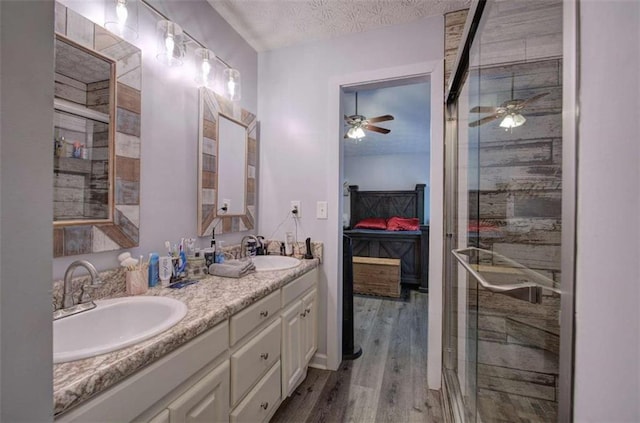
206 401
309 326
291 355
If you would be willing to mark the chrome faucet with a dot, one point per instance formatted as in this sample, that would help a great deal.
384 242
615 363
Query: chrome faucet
85 303
243 249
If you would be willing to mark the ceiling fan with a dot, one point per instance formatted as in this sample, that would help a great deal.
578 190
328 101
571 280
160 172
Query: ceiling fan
359 123
509 111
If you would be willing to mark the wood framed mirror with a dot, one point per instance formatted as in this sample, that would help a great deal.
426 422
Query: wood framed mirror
227 161
97 180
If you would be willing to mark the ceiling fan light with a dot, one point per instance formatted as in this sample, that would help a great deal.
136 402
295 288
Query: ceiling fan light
512 120
519 120
355 132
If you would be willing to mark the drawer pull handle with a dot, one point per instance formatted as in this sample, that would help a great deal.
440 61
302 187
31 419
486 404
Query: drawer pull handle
264 356
264 405
264 313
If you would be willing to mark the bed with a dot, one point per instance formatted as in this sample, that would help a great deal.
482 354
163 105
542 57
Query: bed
411 247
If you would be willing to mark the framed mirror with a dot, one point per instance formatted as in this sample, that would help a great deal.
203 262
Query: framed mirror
96 144
227 160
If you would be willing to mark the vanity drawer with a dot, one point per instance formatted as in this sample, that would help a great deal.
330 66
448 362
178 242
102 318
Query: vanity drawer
294 289
250 362
262 401
251 317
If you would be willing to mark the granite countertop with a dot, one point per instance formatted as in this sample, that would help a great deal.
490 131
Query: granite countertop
209 302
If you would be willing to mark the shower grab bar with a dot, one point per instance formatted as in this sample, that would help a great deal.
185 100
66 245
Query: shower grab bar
527 291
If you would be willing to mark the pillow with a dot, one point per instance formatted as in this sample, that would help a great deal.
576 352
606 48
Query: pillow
397 223
372 223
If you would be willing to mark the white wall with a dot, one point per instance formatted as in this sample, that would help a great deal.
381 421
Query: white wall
607 320
390 172
169 125
26 198
298 105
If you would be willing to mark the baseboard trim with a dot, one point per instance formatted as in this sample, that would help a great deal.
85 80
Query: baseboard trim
319 361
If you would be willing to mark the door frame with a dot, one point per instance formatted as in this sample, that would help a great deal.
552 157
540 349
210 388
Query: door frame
435 70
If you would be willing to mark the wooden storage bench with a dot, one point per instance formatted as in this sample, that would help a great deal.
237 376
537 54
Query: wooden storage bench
376 276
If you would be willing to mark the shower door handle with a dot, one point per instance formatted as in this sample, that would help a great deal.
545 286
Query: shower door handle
525 291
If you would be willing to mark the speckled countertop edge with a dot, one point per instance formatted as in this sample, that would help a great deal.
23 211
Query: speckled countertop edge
209 302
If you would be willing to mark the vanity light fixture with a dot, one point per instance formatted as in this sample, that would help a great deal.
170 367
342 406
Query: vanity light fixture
121 18
232 84
170 43
204 59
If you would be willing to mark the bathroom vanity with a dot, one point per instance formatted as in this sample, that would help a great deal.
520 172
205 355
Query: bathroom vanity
242 348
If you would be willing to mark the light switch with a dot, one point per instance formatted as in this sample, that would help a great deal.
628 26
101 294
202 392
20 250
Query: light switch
321 210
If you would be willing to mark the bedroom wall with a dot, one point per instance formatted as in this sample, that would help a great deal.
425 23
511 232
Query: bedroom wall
388 172
297 160
169 123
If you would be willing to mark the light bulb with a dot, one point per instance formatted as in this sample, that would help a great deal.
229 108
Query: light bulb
231 88
206 68
359 133
169 44
122 12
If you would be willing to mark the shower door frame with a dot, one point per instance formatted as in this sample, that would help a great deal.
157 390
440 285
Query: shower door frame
570 137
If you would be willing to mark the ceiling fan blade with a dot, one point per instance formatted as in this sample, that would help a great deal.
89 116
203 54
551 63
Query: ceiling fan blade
483 109
532 99
483 121
376 129
380 119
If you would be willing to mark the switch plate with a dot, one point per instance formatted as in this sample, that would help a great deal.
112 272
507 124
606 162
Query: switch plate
321 210
295 205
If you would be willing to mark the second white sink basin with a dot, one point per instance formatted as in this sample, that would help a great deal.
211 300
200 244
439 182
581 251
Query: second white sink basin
113 324
266 263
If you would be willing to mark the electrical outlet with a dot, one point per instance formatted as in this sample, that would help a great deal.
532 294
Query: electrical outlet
295 205
226 204
321 210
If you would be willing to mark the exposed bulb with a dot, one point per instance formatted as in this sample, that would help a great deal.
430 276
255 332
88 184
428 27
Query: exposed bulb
169 44
231 87
206 69
122 13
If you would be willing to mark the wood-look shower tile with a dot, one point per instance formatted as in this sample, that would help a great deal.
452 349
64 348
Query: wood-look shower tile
210 129
129 98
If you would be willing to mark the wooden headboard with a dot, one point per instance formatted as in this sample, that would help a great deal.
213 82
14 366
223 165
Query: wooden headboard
386 204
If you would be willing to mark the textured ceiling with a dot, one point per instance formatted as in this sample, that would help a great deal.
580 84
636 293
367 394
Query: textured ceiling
271 24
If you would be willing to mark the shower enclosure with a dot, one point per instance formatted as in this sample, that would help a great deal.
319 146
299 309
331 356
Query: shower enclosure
504 215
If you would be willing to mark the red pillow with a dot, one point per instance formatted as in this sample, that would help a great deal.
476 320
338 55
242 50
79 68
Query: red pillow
372 223
403 224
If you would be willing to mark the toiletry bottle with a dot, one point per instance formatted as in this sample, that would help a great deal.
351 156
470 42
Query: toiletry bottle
219 254
288 244
154 269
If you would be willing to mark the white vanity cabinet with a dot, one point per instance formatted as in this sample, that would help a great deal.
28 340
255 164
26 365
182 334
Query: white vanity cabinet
299 329
206 401
239 371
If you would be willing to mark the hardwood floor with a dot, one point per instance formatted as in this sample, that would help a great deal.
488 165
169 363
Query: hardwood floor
388 383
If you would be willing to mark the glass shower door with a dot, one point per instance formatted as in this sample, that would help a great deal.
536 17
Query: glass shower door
503 276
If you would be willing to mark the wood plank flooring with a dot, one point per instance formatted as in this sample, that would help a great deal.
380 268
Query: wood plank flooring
388 383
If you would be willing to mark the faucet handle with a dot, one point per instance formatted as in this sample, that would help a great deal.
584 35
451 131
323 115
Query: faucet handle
84 293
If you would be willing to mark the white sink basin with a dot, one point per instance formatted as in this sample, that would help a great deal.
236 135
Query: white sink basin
113 324
266 263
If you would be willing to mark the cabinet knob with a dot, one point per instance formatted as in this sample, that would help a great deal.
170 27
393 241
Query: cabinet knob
264 405
264 356
303 314
264 313
307 311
